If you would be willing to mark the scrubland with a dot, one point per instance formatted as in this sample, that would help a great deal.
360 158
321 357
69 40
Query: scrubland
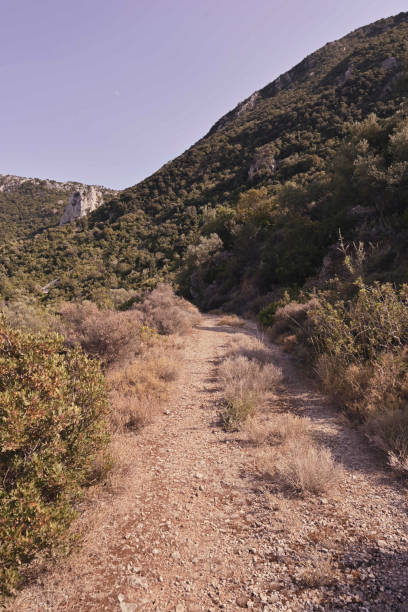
75 383
352 336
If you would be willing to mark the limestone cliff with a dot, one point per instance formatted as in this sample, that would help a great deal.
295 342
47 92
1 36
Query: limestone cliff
83 201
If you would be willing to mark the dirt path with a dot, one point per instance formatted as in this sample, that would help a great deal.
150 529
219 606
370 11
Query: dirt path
197 529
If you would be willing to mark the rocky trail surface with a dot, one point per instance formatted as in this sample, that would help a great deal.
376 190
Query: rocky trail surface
197 528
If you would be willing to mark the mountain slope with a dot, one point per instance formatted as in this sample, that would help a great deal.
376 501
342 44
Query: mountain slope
286 133
30 205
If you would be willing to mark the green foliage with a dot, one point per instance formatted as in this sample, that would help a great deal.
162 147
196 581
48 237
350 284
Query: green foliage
267 315
375 320
358 345
29 207
52 425
237 410
262 179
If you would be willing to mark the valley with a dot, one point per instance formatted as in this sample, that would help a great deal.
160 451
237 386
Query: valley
204 376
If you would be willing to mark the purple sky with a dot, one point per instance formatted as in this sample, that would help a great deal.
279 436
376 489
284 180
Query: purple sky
107 91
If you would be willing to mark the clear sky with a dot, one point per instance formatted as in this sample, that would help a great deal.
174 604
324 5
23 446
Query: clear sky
107 91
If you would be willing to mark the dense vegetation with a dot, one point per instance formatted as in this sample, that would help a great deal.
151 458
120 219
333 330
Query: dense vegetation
295 201
63 397
53 408
284 139
29 207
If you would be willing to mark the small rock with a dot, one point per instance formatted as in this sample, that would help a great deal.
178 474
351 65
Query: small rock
136 581
242 602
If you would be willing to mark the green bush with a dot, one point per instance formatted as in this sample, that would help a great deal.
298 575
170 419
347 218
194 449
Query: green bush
53 408
360 357
267 315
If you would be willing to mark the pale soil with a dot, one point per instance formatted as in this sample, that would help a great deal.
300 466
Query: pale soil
196 527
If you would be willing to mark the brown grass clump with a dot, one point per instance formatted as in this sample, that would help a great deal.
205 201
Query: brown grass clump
278 428
245 384
137 390
305 467
318 573
245 376
231 320
252 348
167 313
130 412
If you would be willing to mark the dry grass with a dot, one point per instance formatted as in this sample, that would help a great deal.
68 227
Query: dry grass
245 382
250 347
231 320
278 428
242 373
317 573
304 467
291 317
377 393
137 390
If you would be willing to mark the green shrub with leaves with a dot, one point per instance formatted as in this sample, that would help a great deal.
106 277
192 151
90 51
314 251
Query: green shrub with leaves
360 357
53 411
374 321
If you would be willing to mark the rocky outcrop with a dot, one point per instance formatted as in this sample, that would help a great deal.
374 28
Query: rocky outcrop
389 64
10 182
83 201
264 162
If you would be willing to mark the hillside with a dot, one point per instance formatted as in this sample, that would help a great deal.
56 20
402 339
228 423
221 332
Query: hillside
283 138
30 205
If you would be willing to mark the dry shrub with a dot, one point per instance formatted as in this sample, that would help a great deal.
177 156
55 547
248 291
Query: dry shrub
289 427
289 343
290 318
238 409
250 347
257 432
137 390
248 376
164 311
304 467
245 384
27 316
166 369
376 393
389 429
231 320
279 428
111 336
130 412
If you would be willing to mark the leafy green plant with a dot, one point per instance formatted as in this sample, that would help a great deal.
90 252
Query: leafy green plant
53 411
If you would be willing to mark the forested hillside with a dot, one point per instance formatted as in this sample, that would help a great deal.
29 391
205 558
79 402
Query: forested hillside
30 205
258 201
